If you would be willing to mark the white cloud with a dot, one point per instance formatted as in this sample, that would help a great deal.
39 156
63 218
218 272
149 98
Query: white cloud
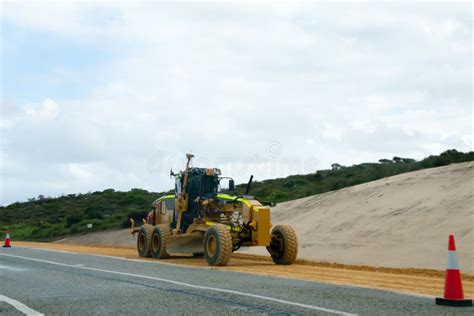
331 82
47 110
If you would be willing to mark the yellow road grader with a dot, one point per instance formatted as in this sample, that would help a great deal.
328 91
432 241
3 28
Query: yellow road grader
200 220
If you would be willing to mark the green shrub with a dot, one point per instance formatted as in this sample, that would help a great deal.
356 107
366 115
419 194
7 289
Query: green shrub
72 219
94 212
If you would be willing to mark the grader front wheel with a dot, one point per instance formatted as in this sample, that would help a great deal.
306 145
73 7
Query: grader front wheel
144 240
217 245
284 244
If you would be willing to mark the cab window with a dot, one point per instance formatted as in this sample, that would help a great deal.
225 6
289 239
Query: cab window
178 185
168 208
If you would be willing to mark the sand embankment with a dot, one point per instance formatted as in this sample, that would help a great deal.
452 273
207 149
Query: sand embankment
401 221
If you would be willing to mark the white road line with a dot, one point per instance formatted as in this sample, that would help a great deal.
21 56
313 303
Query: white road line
9 268
119 258
266 298
20 306
44 249
96 255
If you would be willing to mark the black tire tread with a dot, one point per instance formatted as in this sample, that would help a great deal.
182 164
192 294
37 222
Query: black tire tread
148 230
291 244
225 250
165 235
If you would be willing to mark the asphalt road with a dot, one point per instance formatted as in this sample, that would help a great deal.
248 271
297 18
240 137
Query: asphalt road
60 283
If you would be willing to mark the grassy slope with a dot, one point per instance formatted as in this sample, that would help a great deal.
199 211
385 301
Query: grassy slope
49 218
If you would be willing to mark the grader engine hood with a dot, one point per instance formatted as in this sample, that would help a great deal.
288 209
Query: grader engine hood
257 215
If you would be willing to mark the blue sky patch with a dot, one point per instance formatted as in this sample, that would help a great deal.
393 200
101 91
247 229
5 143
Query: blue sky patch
37 64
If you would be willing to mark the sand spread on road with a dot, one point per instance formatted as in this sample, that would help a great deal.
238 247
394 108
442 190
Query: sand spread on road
420 281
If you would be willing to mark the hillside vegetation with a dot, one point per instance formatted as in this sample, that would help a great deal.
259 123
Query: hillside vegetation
298 186
45 218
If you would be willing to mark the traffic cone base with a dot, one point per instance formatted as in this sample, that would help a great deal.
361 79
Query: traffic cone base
455 303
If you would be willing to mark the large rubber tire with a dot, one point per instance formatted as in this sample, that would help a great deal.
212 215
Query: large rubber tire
284 245
217 245
144 240
159 241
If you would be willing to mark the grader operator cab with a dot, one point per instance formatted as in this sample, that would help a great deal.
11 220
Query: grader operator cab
200 220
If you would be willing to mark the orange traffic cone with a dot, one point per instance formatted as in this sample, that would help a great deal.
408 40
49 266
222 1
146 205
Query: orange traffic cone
453 292
6 244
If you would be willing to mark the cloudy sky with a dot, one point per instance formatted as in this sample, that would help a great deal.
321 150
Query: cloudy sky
112 95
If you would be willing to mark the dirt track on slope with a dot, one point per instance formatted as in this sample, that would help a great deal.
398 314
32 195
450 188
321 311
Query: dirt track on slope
420 281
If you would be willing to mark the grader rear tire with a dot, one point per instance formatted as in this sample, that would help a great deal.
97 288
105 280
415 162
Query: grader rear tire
159 241
217 245
144 241
284 245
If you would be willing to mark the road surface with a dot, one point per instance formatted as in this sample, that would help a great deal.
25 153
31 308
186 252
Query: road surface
38 281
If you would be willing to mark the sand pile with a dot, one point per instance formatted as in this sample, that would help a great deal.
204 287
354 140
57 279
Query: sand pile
400 221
